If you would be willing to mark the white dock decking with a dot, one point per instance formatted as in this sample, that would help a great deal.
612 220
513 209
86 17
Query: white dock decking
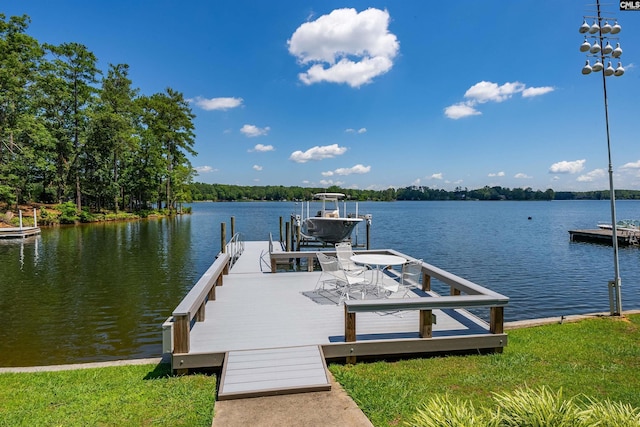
249 373
258 323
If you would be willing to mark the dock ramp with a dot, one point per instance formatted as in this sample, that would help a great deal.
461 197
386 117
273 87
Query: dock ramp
275 371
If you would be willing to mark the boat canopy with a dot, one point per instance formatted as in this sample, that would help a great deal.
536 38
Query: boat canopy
328 196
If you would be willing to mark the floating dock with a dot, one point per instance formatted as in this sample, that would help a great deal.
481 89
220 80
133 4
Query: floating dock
605 236
251 318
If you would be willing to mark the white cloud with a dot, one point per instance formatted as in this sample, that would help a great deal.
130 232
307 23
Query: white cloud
357 169
205 169
217 103
458 111
257 167
496 174
591 176
631 165
436 176
354 47
361 130
567 167
262 148
317 153
488 91
416 183
483 92
536 91
521 176
252 131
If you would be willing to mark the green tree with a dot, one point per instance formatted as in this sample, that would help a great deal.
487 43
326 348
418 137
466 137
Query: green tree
112 137
22 137
169 122
68 81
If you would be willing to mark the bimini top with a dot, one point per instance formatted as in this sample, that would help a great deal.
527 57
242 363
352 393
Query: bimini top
328 196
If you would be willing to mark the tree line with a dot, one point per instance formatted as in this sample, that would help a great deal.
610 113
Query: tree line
70 133
223 192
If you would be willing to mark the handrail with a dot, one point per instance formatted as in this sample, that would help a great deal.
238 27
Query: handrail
426 306
457 283
193 304
235 248
395 304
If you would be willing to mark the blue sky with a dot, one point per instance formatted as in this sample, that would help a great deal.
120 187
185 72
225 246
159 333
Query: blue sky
375 94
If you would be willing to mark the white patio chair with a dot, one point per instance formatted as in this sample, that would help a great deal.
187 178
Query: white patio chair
344 252
343 281
411 274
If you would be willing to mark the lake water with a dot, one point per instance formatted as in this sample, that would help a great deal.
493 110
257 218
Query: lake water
101 292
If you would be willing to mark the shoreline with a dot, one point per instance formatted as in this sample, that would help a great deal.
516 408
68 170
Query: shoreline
528 323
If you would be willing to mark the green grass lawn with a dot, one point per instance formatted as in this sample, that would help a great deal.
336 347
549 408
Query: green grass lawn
599 358
139 395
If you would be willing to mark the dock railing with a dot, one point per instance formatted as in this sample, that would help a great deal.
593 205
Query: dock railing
463 294
234 248
192 308
426 306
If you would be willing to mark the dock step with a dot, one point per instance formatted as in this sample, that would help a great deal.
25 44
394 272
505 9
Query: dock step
268 372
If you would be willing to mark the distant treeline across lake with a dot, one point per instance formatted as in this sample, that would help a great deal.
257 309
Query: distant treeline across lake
224 192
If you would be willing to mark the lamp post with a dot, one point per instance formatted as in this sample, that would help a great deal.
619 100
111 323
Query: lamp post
600 33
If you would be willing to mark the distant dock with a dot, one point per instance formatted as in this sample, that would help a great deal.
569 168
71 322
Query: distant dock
604 236
18 232
21 232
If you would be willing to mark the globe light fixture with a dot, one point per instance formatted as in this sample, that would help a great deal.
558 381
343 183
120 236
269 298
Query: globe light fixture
600 33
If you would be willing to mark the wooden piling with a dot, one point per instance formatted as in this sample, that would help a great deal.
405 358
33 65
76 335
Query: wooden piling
223 237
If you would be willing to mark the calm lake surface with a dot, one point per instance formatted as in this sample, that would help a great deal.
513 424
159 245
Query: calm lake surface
101 292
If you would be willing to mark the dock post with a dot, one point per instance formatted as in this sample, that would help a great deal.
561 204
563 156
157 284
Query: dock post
368 231
223 237
233 226
496 323
35 218
349 331
288 236
20 214
426 323
426 282
280 229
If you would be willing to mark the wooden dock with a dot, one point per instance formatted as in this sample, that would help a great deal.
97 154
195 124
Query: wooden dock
605 236
240 308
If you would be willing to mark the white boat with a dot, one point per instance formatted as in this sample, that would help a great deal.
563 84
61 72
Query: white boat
623 225
328 225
